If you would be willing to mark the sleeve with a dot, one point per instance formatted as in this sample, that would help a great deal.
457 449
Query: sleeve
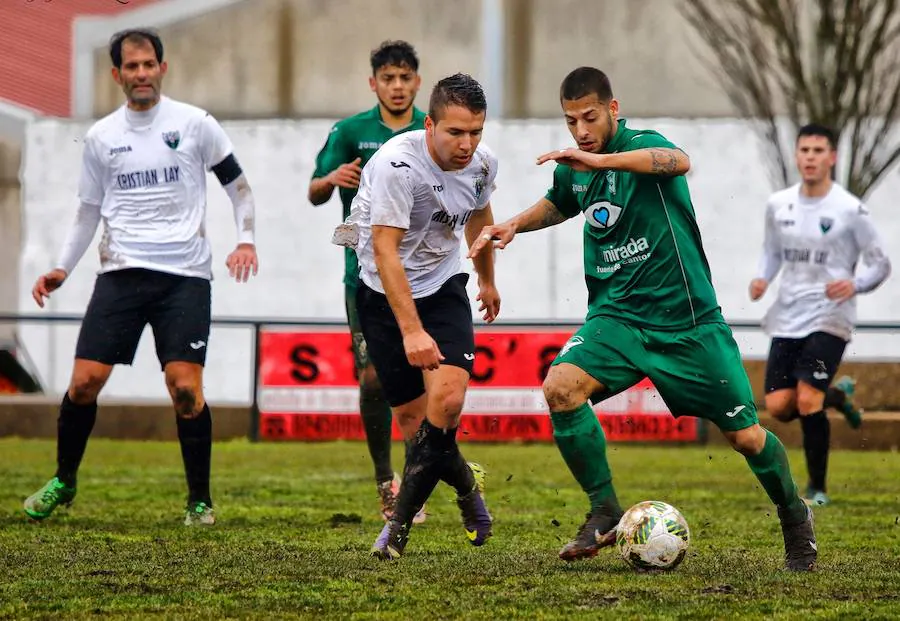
876 266
80 235
648 140
490 182
90 185
561 192
215 145
770 261
333 153
392 192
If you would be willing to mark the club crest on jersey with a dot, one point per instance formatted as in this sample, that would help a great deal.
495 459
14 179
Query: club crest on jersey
602 215
825 224
172 139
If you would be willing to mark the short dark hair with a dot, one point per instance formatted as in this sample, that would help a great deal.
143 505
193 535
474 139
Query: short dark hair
459 89
586 81
396 53
134 35
815 129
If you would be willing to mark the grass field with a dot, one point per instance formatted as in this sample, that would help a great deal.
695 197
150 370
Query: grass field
296 522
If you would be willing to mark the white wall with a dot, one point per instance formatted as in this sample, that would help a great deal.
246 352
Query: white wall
539 275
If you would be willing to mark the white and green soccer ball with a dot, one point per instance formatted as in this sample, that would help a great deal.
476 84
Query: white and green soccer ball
653 535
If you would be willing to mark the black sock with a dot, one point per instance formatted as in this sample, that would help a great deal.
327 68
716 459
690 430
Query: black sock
456 472
424 466
195 436
816 440
835 398
73 429
376 418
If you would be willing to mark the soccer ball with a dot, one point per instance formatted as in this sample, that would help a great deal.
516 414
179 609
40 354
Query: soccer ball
653 535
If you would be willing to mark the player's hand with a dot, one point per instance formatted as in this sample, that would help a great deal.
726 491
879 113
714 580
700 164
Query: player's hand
490 301
242 262
840 290
574 158
758 288
46 284
346 175
421 350
500 233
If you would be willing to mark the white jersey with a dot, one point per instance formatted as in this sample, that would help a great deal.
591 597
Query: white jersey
402 186
814 241
147 172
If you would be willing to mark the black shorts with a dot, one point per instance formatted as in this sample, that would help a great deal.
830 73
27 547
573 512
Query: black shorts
124 301
813 360
446 316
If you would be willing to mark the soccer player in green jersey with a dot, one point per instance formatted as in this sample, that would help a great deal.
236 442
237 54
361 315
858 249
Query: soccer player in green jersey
395 81
652 311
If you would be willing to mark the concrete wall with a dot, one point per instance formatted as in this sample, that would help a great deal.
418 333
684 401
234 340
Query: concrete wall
540 275
10 234
309 58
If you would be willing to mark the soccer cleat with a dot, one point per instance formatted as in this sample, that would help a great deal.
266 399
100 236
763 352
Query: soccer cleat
42 503
476 519
847 385
391 541
816 498
598 531
198 513
387 491
800 549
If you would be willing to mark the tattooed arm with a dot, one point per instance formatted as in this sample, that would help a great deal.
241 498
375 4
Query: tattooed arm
541 215
653 161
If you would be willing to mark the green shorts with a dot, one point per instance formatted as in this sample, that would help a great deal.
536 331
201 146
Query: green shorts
360 352
697 371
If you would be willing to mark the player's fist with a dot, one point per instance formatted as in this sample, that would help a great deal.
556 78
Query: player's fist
242 262
840 290
46 284
346 175
421 350
758 288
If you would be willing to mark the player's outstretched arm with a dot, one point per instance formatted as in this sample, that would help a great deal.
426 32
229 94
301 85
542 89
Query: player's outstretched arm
421 349
539 216
662 161
484 264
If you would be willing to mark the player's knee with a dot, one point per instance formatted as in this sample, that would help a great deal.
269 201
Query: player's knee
809 401
369 385
560 395
780 408
85 388
185 397
749 441
450 403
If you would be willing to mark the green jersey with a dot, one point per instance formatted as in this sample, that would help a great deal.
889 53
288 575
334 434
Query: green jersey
358 136
643 258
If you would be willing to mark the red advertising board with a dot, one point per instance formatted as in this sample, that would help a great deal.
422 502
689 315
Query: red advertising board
309 391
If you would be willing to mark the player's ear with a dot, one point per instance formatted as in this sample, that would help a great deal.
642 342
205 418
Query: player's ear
163 67
372 83
614 107
117 76
429 124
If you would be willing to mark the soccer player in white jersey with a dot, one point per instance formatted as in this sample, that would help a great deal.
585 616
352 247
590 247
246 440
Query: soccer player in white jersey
816 233
417 196
144 177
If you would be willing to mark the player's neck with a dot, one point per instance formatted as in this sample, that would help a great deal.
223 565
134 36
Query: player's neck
816 190
394 121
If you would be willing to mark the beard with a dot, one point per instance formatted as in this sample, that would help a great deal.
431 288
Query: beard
392 110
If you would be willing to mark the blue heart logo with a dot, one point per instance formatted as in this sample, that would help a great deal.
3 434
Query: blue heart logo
602 216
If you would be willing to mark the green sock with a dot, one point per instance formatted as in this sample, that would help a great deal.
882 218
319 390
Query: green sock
582 443
773 471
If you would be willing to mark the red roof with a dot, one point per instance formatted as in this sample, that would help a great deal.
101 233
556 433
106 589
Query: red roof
36 49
